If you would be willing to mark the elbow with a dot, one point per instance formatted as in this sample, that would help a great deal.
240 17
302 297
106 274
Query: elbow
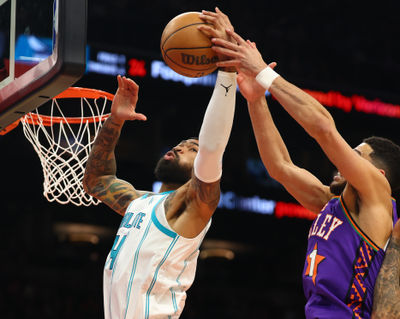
278 171
214 146
87 183
275 174
323 129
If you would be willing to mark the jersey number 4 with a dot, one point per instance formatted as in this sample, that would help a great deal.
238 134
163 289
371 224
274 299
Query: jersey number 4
118 242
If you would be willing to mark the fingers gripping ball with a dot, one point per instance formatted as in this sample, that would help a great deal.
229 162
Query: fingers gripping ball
185 49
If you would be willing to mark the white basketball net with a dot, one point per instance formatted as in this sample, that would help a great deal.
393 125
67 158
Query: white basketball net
64 148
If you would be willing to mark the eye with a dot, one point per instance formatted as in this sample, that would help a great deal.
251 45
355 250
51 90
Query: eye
193 149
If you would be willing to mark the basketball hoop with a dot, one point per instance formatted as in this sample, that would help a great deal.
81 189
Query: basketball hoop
63 138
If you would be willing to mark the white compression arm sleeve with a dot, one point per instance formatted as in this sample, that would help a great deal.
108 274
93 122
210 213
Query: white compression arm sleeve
216 128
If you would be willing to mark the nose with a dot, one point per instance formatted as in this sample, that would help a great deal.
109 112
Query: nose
177 149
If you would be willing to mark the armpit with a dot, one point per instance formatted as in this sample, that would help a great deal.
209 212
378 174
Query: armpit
208 193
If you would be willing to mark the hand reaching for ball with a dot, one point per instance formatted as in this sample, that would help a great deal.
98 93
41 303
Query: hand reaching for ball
124 103
218 24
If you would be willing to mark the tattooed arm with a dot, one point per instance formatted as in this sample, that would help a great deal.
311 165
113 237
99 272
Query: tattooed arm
387 289
100 179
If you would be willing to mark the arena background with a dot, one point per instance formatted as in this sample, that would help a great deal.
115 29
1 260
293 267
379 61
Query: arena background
253 256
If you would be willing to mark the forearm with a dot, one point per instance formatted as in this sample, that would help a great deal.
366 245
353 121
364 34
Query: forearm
101 161
216 128
271 147
301 184
387 290
307 111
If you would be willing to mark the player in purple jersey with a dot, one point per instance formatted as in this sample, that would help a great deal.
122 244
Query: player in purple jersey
387 289
347 239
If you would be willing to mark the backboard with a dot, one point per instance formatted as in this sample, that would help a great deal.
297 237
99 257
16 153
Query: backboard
42 52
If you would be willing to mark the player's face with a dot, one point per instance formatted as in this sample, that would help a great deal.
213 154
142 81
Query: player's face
185 152
339 182
177 164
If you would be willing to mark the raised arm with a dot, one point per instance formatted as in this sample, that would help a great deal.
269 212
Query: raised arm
100 179
198 199
300 183
312 116
204 190
201 194
387 289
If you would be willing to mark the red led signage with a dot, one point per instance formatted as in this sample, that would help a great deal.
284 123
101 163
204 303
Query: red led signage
136 67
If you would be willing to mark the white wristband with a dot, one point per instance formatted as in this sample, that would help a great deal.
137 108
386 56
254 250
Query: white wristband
266 77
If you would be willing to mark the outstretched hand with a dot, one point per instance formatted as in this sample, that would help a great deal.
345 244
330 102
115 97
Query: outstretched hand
216 25
244 55
124 103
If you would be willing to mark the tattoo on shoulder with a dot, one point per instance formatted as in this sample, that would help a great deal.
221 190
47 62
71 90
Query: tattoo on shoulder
167 203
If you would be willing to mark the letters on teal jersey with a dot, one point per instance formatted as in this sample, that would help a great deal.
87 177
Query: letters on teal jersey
130 220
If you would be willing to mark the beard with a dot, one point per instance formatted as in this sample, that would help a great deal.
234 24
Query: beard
171 172
337 187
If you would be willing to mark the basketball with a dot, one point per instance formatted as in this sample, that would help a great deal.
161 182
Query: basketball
185 49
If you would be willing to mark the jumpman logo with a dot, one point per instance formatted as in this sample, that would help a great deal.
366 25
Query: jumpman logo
226 88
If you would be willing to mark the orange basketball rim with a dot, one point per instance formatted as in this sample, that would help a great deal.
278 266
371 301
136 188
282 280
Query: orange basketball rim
70 93
63 143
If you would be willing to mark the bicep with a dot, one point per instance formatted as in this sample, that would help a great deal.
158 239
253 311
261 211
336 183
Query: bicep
202 198
307 189
115 193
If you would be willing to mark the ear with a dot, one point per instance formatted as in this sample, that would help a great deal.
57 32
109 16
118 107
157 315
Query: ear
382 171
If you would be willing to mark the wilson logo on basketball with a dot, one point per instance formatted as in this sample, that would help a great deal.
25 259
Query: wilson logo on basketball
198 60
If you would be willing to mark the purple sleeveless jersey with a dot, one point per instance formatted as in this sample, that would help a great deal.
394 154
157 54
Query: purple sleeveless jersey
341 266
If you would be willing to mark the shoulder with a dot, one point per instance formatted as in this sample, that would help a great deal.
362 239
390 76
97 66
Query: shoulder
195 197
